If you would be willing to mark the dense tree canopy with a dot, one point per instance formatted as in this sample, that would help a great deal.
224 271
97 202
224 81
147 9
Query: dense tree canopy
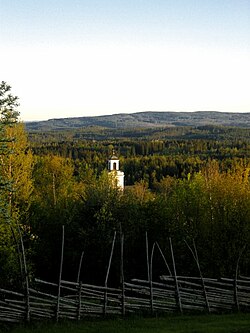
188 184
208 203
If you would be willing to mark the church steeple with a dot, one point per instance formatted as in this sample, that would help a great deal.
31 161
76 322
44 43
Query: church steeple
113 162
114 170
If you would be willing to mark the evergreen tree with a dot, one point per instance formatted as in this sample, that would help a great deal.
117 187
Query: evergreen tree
8 117
15 185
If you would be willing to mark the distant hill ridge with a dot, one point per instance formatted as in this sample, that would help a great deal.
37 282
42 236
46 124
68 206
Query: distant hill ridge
145 119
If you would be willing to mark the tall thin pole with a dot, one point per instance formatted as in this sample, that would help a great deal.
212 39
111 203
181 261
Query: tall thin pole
147 257
79 287
195 255
79 300
26 278
79 267
164 259
151 280
202 280
107 276
235 281
178 296
60 277
122 275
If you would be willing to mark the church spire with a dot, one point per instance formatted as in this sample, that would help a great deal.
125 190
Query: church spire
114 162
114 170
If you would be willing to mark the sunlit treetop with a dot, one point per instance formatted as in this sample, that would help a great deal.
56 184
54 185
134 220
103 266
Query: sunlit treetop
8 104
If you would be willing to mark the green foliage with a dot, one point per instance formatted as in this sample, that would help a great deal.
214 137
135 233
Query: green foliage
152 155
190 184
8 104
210 207
195 189
10 166
8 116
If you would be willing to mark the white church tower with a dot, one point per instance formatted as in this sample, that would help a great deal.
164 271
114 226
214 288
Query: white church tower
114 171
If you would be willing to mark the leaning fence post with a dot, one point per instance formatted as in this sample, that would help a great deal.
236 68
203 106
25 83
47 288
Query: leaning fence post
26 279
147 256
122 276
151 280
201 276
195 255
236 294
79 288
164 259
235 281
79 301
107 276
60 278
178 296
79 268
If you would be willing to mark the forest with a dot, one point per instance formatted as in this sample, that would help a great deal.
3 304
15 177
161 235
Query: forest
188 183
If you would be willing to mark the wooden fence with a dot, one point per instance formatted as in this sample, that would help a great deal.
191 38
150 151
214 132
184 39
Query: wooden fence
76 300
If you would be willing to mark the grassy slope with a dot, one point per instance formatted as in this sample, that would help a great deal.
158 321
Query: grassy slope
236 323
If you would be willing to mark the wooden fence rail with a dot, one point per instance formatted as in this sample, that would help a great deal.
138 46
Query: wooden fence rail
78 300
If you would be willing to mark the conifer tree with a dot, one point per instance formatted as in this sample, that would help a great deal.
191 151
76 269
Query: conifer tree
8 117
13 159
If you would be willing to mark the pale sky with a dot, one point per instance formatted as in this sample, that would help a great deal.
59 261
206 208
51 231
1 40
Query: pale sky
73 58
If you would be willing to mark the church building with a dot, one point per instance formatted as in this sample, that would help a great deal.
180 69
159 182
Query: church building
116 175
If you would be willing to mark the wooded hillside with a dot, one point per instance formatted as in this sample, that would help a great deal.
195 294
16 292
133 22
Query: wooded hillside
145 119
188 183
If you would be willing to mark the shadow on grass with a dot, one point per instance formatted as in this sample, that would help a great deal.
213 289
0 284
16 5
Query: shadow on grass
230 323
